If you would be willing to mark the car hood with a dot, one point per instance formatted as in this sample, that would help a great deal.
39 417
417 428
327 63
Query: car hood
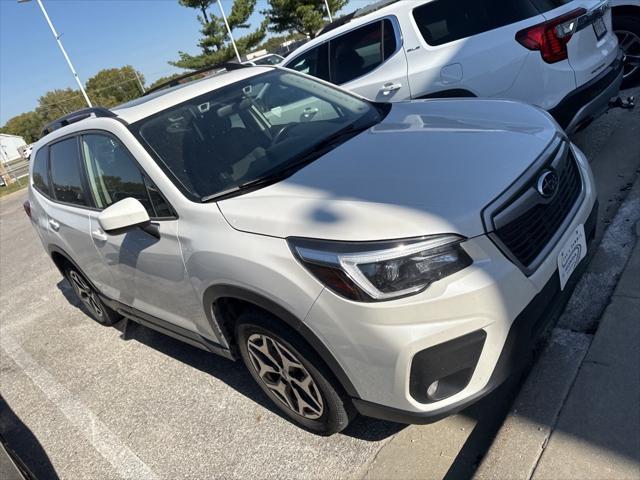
429 167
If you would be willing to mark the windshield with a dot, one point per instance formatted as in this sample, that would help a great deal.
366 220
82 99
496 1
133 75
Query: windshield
250 131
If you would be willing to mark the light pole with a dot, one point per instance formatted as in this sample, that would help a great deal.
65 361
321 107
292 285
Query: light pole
326 4
57 37
224 17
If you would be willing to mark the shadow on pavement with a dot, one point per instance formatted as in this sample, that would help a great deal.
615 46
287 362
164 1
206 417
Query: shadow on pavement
23 442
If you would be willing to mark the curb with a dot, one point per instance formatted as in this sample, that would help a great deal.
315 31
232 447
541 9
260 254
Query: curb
525 432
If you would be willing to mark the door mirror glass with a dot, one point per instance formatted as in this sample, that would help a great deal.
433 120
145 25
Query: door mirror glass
123 215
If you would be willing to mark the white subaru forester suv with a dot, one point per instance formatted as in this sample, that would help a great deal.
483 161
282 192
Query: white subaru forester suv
396 260
560 55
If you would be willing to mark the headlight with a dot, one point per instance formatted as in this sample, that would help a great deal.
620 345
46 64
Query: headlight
375 271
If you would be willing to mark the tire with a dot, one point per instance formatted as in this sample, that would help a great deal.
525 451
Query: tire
627 28
89 297
294 377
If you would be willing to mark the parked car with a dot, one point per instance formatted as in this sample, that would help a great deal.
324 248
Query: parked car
559 55
396 260
626 24
266 59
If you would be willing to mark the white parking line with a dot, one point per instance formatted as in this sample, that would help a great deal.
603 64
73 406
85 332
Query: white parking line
107 443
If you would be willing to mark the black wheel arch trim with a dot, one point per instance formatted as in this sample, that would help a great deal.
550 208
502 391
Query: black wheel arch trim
449 93
217 292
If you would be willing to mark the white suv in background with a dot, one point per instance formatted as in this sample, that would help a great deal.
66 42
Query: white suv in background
560 55
395 260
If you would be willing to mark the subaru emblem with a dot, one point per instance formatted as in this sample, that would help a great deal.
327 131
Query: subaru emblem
548 183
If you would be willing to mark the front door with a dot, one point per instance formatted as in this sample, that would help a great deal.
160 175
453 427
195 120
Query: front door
147 273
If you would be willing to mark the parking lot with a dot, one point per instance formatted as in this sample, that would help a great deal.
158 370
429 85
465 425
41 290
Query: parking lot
87 401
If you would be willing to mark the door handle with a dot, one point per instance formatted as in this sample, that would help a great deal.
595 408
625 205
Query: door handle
55 226
98 234
388 88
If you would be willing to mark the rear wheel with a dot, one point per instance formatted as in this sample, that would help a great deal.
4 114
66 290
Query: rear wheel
292 375
627 28
90 298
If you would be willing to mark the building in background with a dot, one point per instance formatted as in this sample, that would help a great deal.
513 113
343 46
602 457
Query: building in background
10 148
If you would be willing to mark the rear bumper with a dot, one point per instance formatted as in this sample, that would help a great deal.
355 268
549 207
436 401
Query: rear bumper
590 100
516 353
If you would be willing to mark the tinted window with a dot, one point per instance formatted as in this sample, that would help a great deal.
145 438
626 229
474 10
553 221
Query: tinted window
313 62
444 21
41 171
356 53
66 173
113 175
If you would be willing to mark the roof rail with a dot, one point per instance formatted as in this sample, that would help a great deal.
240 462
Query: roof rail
177 80
361 12
76 117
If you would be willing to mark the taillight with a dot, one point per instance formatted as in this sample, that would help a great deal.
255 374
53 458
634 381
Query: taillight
551 37
27 208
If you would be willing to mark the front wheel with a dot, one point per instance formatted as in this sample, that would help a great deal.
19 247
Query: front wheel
627 28
292 375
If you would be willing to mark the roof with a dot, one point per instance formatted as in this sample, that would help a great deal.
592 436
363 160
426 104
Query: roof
145 106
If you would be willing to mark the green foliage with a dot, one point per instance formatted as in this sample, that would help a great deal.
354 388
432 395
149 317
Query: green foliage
274 43
162 80
214 43
56 103
26 125
113 86
302 16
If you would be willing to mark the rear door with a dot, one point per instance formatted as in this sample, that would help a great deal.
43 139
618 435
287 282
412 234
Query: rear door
594 46
370 61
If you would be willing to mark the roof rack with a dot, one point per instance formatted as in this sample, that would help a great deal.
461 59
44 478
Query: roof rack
177 80
361 12
76 117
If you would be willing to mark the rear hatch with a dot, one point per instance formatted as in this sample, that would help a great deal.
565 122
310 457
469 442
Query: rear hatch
593 46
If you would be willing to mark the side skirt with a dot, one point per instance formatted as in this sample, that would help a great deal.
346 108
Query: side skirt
162 326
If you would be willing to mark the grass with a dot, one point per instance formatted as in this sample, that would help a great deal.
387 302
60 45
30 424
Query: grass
14 187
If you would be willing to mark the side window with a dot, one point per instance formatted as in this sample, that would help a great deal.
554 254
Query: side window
66 172
114 176
41 171
313 62
356 53
442 21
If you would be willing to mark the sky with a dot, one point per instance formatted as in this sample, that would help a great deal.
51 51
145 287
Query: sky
96 34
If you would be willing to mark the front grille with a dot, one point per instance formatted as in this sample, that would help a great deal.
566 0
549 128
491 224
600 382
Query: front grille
529 222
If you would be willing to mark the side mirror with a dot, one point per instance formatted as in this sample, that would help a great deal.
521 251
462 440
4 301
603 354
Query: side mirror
123 215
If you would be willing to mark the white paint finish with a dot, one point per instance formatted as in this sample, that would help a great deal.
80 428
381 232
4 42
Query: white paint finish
123 214
429 168
109 445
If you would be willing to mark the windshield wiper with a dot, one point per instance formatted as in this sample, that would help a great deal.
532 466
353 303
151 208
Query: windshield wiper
302 160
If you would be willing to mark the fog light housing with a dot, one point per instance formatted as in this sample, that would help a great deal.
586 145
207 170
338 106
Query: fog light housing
443 370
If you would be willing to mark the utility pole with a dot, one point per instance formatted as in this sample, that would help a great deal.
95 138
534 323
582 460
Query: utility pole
224 17
139 81
57 37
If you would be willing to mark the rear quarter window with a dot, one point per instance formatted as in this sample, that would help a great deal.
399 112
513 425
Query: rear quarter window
444 21
41 171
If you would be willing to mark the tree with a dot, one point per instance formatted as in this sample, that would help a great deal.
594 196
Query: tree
26 125
162 80
57 103
302 16
213 44
112 86
272 44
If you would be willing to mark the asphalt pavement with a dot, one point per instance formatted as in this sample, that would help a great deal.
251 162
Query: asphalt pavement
85 401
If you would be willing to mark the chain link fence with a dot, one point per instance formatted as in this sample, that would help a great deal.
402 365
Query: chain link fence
15 171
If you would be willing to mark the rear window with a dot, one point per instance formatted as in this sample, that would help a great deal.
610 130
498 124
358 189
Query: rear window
41 172
546 5
444 21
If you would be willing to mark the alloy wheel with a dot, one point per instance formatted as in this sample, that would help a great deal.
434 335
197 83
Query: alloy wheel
86 294
630 44
285 376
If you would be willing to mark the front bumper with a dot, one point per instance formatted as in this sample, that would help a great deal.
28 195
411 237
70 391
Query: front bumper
516 352
376 344
590 100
